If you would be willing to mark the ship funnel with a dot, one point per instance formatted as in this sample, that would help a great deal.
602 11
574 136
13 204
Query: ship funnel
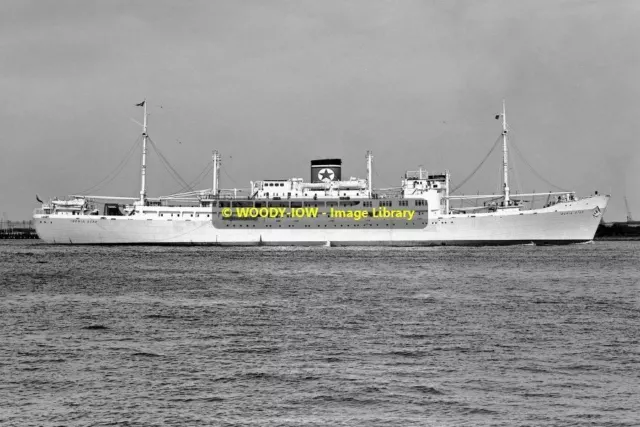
326 170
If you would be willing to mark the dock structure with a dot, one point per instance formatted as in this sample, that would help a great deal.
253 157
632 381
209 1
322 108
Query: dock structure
17 230
629 230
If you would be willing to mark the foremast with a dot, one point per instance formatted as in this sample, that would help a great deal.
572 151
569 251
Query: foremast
505 155
143 172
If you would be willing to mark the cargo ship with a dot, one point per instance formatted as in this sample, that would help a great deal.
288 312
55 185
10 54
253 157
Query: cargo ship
326 210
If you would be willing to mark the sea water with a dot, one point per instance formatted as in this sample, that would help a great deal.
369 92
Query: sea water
522 335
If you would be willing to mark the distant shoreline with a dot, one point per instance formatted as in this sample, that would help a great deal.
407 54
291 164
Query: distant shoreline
617 239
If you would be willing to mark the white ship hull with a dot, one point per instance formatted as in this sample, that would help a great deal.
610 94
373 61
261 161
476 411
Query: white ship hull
569 222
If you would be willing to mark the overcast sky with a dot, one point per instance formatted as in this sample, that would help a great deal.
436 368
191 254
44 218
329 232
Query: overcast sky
274 84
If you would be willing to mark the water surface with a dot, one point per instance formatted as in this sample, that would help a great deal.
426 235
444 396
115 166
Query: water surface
500 336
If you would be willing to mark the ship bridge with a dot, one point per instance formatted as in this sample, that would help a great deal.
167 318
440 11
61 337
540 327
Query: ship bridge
432 187
353 188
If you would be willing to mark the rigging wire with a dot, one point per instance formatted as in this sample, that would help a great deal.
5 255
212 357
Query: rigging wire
115 172
202 175
225 172
516 182
205 172
521 156
464 181
172 172
229 176
379 179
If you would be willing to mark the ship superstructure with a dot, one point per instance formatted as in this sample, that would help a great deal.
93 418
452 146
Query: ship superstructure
326 210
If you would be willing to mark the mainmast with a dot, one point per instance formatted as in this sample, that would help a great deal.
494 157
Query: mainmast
369 172
217 161
505 156
143 189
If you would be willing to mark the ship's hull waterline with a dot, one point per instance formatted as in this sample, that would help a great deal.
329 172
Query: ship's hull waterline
565 223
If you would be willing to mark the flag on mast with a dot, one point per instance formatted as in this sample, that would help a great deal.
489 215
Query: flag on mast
141 104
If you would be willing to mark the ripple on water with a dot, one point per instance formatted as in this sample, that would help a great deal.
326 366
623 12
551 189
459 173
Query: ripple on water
319 336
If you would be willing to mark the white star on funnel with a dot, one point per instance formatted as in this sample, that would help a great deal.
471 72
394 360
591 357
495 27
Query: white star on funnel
326 175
